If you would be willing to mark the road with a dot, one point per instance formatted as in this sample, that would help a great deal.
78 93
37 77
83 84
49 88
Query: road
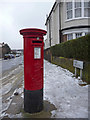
11 78
10 63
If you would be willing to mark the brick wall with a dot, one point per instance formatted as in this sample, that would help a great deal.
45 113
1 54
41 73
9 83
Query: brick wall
64 38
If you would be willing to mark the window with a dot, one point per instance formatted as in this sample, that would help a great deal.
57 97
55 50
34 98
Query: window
70 36
69 10
77 9
86 33
78 35
86 9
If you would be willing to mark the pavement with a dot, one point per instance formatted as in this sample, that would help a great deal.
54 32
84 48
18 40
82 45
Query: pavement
16 109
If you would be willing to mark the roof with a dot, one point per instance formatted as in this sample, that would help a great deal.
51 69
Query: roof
50 12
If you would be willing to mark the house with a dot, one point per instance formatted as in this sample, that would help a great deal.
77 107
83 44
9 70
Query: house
15 51
67 20
0 50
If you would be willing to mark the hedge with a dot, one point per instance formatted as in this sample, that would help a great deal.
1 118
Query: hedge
78 49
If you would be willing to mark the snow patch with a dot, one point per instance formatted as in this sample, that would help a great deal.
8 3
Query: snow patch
63 90
6 88
14 116
20 90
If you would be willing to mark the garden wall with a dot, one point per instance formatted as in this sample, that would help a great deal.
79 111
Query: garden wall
68 64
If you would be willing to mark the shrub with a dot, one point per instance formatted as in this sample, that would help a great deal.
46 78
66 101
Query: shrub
78 49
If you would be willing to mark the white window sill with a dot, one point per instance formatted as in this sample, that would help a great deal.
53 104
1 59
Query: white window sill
77 19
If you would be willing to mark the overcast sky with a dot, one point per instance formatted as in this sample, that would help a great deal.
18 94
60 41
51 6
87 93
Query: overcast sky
18 14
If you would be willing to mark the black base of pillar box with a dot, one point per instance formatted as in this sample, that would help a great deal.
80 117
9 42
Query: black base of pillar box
33 101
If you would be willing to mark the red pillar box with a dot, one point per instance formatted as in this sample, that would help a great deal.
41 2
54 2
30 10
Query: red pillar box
33 69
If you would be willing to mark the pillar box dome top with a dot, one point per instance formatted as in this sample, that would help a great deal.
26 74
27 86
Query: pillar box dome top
33 31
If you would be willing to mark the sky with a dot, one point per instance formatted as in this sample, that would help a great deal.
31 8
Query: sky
19 14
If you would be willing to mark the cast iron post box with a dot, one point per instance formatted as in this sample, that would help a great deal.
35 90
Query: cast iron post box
33 69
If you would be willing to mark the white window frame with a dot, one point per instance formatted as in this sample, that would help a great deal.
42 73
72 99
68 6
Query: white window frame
70 36
78 34
69 10
73 11
76 8
74 35
84 10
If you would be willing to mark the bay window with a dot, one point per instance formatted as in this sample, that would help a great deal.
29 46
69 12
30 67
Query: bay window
71 36
77 9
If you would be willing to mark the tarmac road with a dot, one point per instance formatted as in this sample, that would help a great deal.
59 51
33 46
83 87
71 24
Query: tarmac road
11 79
10 63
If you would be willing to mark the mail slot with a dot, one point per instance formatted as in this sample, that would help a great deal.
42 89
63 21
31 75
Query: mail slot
33 69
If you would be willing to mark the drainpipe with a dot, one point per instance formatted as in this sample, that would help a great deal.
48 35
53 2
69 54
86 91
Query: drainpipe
50 32
60 33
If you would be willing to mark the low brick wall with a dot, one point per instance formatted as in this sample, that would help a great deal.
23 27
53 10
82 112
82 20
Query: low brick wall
47 54
68 64
64 62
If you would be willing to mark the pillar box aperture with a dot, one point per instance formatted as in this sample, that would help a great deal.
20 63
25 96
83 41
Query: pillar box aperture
33 69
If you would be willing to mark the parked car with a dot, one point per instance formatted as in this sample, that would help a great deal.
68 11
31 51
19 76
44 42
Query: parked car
12 56
17 55
7 56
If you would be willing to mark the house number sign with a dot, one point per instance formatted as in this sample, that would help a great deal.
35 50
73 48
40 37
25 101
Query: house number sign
78 64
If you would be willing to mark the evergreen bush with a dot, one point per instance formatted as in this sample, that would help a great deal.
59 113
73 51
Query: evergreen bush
77 48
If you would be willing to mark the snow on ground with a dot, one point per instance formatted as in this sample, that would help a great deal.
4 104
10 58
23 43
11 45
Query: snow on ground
5 106
64 91
6 88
